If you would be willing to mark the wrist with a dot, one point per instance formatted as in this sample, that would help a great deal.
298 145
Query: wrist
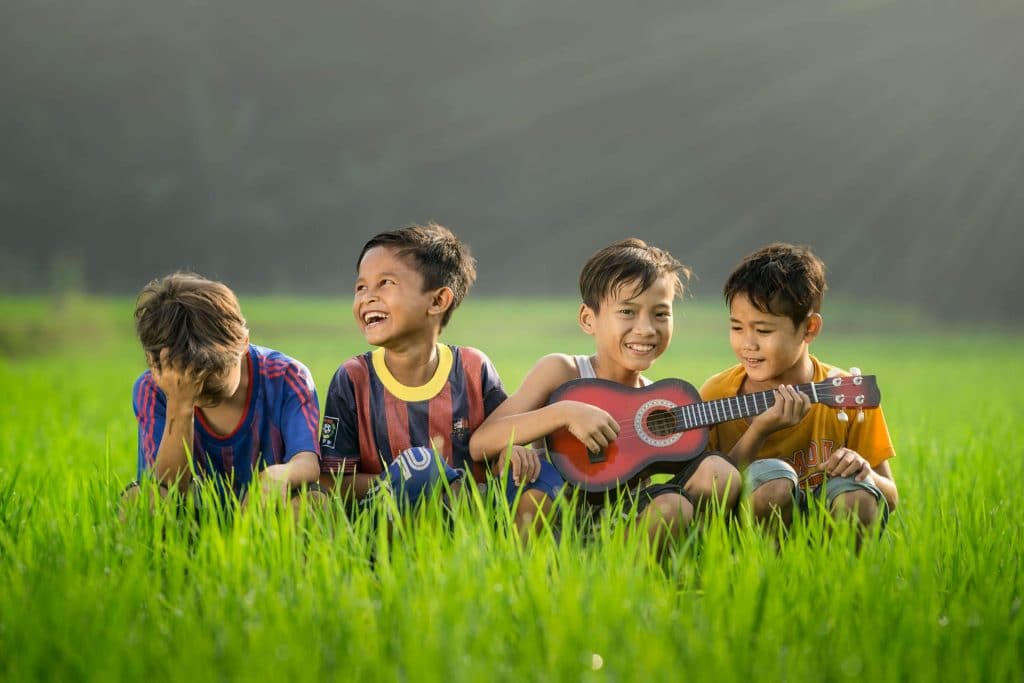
564 414
180 406
756 433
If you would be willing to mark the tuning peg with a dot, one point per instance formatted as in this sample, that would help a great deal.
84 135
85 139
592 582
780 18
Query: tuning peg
855 371
842 416
860 414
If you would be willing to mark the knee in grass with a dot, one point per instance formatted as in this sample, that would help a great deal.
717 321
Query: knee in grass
672 509
859 504
129 498
135 493
313 497
131 493
532 504
722 480
771 496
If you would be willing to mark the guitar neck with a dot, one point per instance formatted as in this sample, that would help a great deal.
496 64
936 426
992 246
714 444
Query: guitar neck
707 413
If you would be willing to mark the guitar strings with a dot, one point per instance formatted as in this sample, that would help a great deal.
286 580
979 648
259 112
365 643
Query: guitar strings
670 417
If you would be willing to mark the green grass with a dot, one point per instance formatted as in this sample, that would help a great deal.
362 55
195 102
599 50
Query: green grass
83 596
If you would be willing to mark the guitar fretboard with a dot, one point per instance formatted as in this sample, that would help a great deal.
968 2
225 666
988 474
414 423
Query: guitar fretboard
708 413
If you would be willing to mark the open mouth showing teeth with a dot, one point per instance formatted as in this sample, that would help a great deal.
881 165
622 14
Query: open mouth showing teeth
374 317
640 348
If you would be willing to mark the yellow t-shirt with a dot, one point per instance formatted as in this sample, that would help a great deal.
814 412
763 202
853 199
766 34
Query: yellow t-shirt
807 445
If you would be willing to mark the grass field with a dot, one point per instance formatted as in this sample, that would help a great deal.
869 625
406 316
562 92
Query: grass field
83 596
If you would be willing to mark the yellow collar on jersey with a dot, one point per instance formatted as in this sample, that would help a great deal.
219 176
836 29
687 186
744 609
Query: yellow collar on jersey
424 392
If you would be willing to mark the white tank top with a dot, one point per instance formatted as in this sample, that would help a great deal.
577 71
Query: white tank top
586 369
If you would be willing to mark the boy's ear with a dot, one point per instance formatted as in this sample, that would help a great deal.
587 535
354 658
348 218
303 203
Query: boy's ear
441 301
586 319
814 323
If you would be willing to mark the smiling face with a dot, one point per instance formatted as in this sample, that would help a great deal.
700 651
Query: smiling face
390 304
772 348
631 329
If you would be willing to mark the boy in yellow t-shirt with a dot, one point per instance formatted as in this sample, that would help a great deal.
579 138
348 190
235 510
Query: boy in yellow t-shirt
794 449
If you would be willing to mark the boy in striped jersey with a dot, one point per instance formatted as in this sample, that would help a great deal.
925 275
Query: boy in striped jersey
236 409
388 411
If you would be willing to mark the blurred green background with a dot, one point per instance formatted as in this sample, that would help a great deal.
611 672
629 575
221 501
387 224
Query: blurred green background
262 143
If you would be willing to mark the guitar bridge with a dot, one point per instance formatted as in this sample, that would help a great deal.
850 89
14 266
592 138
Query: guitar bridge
596 456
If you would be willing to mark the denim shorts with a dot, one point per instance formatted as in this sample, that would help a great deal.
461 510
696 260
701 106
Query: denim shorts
762 471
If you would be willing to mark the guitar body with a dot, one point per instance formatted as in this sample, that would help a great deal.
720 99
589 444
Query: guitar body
649 434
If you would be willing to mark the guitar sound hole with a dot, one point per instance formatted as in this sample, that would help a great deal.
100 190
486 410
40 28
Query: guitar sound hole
661 422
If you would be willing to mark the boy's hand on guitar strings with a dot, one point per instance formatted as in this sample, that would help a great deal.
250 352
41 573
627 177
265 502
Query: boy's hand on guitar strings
847 463
789 408
595 428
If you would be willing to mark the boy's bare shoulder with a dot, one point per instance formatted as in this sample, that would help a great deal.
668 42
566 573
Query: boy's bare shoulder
547 374
557 365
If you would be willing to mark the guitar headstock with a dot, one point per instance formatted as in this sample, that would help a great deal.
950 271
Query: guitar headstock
855 391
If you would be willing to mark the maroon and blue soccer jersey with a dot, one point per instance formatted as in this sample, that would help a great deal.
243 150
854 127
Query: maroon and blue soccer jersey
370 417
280 420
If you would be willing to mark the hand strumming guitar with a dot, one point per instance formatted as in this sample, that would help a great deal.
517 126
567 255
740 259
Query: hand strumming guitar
594 427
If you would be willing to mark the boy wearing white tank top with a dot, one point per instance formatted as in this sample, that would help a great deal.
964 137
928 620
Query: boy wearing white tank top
628 289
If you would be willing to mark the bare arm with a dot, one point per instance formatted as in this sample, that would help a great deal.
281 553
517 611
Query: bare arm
171 464
525 416
303 468
881 474
181 388
883 478
790 407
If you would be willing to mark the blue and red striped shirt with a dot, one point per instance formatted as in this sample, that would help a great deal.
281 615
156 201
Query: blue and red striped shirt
370 417
281 419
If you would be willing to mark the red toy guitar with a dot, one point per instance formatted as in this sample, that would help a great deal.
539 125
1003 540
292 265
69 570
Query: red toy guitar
667 422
